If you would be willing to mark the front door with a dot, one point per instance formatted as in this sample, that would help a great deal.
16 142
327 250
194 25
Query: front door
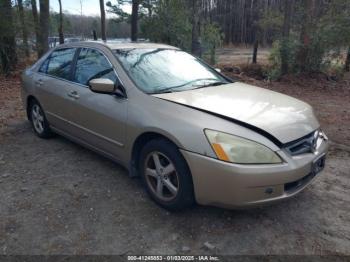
99 119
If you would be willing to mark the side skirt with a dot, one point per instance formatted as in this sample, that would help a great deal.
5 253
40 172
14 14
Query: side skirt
90 147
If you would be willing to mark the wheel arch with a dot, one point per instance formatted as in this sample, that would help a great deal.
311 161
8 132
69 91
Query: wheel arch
139 143
30 99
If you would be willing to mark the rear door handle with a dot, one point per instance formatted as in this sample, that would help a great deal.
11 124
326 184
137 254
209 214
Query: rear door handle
73 94
39 82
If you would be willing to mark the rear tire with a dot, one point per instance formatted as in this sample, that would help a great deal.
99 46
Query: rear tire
38 120
166 175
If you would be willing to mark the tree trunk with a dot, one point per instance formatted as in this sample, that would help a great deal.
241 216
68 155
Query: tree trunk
255 32
347 62
60 27
8 55
36 24
255 51
285 36
44 27
94 34
305 35
24 28
103 20
195 46
134 20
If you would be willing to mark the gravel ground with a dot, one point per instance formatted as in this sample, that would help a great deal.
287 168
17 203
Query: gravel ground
59 198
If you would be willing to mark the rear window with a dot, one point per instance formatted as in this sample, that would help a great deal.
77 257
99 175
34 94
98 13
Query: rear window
59 63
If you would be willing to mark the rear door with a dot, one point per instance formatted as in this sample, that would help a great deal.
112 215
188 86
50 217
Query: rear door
52 83
99 119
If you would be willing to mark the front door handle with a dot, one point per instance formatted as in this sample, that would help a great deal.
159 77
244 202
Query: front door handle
73 94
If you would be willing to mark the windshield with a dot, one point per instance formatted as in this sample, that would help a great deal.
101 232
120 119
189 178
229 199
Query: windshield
167 70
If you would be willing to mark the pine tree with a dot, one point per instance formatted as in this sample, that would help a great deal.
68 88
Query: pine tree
103 20
44 27
8 55
23 27
60 27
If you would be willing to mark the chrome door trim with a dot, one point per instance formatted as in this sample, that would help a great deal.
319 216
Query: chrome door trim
87 130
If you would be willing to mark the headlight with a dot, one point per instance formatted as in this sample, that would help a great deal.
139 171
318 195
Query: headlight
238 150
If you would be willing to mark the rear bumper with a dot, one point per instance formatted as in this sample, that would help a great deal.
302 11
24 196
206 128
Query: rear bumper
230 185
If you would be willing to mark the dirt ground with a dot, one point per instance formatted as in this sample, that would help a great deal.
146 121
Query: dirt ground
59 198
239 55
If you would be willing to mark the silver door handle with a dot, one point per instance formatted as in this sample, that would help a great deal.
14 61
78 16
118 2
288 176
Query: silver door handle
39 82
73 94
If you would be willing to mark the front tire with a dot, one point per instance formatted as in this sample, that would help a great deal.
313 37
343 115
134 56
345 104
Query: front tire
38 120
166 175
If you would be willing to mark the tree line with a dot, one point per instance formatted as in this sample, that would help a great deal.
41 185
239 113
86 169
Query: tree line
8 20
26 25
306 35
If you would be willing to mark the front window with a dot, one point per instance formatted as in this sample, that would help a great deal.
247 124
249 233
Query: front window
167 70
92 64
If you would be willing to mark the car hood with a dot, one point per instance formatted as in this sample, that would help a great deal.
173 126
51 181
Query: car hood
283 117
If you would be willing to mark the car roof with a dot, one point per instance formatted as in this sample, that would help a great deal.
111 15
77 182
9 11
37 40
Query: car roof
120 45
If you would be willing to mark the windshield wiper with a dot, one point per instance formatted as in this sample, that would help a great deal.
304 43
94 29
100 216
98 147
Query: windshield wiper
159 92
170 89
218 83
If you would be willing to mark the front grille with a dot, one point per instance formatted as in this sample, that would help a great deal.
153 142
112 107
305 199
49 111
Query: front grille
306 144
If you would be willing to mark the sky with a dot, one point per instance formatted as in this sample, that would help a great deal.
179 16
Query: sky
90 7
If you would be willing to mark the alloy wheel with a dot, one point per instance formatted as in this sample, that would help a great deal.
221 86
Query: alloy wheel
161 176
38 118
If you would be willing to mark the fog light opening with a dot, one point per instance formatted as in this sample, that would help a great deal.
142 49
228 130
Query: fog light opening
269 190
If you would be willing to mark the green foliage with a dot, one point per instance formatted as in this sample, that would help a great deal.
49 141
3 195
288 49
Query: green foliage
330 34
146 8
8 57
334 26
275 61
272 21
290 48
117 9
212 37
54 24
169 24
315 55
333 64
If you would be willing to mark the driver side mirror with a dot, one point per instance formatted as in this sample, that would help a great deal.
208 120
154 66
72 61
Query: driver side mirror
102 85
106 86
218 70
